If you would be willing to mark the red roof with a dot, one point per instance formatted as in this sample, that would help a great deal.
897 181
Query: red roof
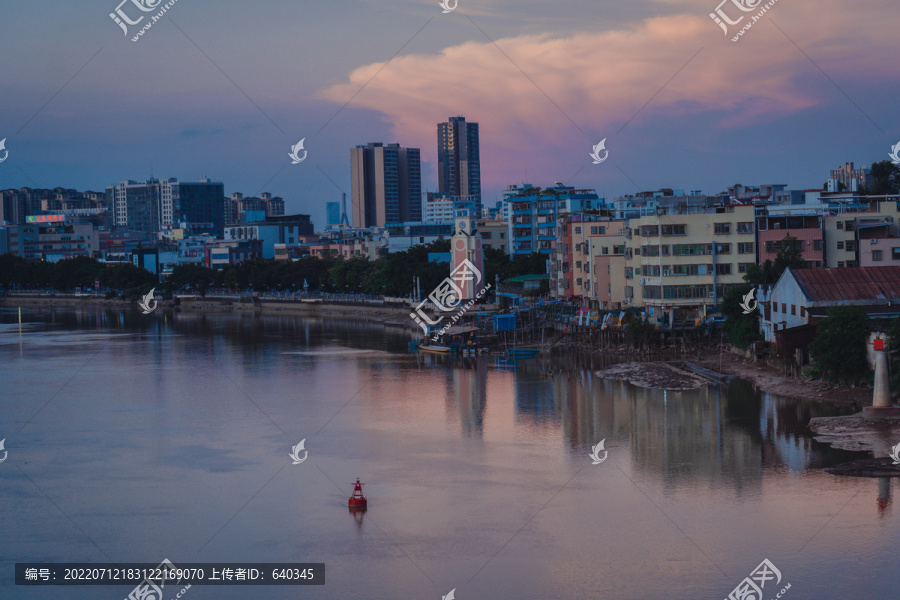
850 283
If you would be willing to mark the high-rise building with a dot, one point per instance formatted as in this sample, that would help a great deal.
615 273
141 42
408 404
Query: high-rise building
386 184
200 204
137 206
332 214
155 205
459 159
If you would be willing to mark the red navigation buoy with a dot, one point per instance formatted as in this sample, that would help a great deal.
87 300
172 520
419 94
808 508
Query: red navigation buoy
357 500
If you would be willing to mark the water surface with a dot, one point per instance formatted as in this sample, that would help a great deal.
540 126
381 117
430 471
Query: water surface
135 438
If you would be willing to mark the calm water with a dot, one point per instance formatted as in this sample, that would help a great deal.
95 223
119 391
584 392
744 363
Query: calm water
135 438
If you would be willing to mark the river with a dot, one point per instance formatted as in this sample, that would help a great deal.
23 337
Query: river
135 438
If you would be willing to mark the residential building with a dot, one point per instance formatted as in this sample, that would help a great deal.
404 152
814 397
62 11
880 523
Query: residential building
851 178
535 212
806 227
386 184
136 206
459 159
403 236
196 205
683 260
802 296
443 208
580 264
493 234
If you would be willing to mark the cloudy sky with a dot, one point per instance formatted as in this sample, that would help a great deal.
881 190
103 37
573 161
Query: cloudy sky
224 89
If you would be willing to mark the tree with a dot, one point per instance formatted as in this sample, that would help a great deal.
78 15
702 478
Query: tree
839 349
790 255
741 329
885 178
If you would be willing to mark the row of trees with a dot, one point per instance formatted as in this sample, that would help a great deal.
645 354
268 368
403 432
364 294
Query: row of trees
391 275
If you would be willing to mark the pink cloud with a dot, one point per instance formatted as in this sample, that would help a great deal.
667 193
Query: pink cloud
600 80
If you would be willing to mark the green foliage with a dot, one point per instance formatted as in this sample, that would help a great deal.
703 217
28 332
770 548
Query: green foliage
71 273
839 349
790 255
741 329
885 178
640 333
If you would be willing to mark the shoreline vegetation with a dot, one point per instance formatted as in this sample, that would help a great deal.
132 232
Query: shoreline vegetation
710 355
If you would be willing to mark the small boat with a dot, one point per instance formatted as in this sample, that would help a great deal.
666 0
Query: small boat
435 348
523 352
357 500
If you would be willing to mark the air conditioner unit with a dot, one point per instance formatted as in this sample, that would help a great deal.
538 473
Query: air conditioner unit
712 294
873 241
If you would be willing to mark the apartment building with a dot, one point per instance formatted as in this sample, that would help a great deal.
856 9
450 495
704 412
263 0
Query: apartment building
580 261
805 226
682 261
534 214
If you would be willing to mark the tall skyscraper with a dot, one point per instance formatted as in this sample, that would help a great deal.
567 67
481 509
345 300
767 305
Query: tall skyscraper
386 184
459 160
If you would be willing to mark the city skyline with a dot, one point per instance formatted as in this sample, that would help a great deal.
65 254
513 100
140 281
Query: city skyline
680 104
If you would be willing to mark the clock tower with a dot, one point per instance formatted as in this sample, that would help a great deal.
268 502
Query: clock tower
466 254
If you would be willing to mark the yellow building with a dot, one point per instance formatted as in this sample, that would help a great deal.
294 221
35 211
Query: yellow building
681 261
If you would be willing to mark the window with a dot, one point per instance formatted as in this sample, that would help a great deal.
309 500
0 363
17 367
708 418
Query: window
849 226
802 311
578 229
593 230
723 248
745 248
794 309
673 230
783 308
840 264
877 255
578 281
722 228
691 249
817 244
774 307
745 227
840 224
605 249
851 263
485 235
578 264
840 245
742 267
850 245
723 269
649 230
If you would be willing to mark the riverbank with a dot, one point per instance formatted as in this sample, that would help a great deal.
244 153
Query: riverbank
764 377
768 379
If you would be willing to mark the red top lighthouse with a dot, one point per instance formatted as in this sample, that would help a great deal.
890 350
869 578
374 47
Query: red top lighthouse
357 500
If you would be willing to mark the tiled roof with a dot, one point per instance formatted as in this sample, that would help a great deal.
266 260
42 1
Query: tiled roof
850 283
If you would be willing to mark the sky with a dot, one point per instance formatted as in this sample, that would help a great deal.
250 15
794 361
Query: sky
225 89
